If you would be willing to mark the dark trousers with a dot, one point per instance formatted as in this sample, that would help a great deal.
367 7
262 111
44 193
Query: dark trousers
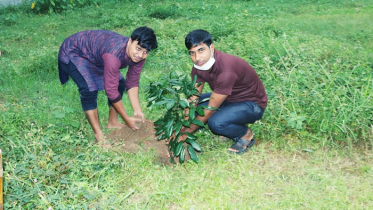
232 118
88 98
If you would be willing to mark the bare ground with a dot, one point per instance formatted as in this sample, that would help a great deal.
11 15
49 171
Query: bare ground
127 140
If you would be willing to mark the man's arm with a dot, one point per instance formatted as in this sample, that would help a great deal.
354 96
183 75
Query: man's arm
215 101
111 76
130 121
133 95
132 86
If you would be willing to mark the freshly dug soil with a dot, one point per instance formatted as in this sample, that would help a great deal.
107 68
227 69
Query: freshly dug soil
131 141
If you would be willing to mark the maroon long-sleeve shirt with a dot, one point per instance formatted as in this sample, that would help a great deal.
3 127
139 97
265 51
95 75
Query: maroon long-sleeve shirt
233 76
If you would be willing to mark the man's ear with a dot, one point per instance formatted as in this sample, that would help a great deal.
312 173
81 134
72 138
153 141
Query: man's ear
212 47
130 40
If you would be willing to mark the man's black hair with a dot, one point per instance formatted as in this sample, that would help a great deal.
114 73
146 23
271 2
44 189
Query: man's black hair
146 38
195 37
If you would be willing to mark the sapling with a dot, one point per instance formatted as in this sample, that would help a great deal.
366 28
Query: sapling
172 92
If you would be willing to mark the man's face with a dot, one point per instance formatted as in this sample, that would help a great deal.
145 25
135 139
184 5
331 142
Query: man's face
201 53
135 51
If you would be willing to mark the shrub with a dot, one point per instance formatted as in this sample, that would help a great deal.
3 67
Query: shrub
173 92
52 6
8 19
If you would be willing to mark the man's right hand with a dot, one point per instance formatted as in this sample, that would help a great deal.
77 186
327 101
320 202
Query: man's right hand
131 122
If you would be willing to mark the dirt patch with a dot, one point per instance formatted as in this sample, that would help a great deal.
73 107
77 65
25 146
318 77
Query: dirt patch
127 140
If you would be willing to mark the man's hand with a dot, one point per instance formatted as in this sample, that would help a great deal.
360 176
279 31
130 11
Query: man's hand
139 114
182 138
133 95
186 113
131 123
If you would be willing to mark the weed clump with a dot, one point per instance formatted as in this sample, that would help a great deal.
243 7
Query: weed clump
164 13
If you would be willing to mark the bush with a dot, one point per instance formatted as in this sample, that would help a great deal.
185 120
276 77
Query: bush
173 93
52 6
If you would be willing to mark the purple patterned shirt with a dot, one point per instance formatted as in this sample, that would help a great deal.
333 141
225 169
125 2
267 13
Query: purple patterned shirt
99 55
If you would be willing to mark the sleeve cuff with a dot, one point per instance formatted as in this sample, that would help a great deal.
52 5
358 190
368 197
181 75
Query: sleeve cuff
116 99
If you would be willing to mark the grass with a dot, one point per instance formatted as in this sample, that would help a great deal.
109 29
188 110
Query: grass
314 57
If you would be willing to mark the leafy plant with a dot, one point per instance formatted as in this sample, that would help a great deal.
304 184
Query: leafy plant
173 92
51 6
8 19
295 121
164 12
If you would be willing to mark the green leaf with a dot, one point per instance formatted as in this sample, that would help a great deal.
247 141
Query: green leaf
200 111
163 136
295 121
204 100
194 144
177 127
209 107
161 102
66 137
183 104
75 124
172 74
169 128
170 122
193 82
175 83
151 98
159 122
168 132
150 104
58 114
178 148
182 156
192 154
160 92
190 136
186 123
171 144
195 92
192 112
188 93
159 131
171 90
198 122
185 88
170 104
69 109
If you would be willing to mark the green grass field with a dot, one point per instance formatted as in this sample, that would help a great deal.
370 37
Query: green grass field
314 57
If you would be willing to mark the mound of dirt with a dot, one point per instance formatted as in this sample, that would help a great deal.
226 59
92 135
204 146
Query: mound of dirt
131 141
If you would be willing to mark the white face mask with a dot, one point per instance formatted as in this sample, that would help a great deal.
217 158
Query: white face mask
208 65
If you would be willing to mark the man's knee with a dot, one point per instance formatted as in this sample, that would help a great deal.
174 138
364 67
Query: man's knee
88 100
216 126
